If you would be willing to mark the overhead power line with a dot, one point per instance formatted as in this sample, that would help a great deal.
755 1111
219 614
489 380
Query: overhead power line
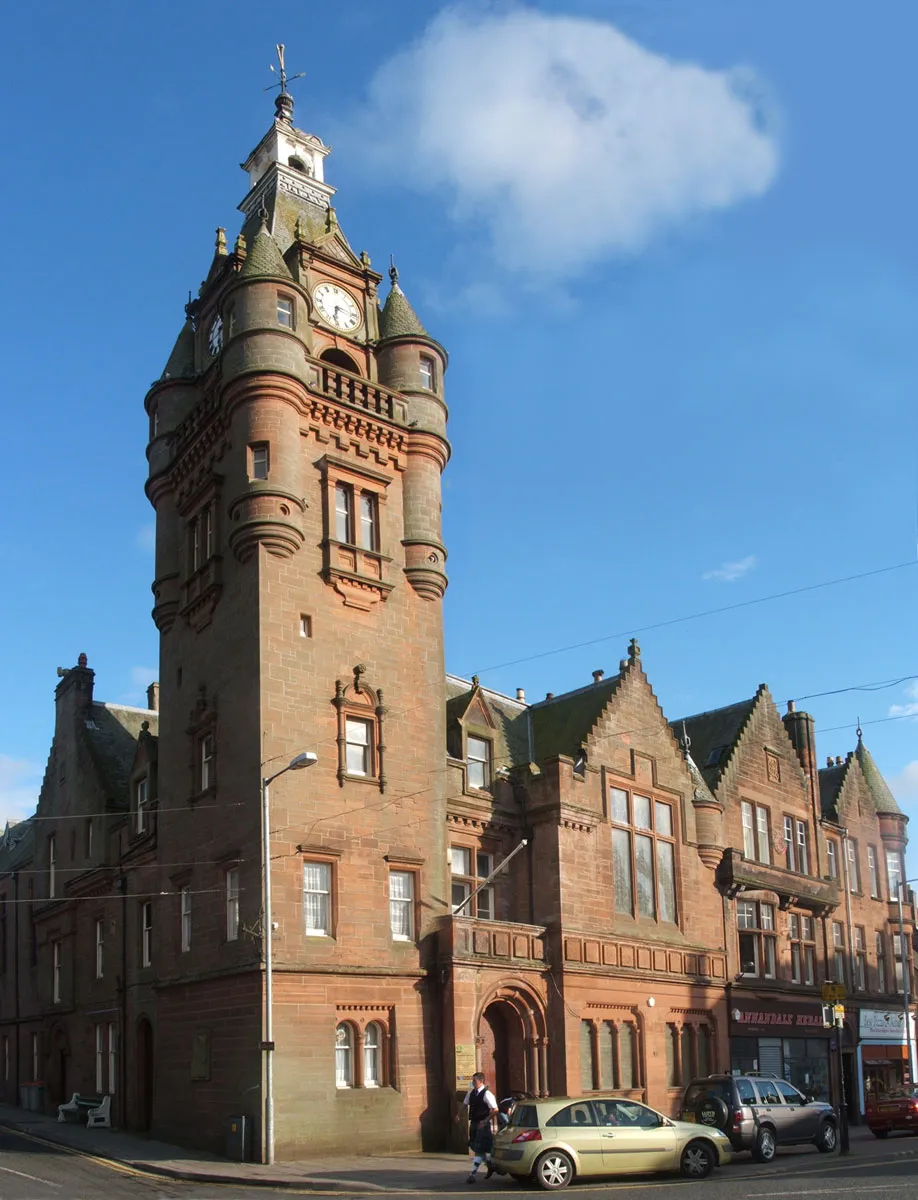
696 616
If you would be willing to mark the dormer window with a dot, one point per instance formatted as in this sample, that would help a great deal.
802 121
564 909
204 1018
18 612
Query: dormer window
426 369
478 762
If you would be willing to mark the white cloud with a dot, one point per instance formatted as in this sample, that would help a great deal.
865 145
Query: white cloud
146 537
563 138
907 710
20 781
905 785
729 572
142 677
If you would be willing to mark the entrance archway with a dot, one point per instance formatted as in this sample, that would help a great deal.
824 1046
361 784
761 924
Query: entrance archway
144 1074
511 1041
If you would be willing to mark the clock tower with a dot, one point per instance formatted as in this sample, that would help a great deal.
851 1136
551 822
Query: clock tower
297 439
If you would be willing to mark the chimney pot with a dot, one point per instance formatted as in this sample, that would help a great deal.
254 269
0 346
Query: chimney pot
521 693
549 695
838 760
830 761
598 676
791 706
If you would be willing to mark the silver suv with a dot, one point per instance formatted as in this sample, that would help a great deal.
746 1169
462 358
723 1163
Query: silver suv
760 1113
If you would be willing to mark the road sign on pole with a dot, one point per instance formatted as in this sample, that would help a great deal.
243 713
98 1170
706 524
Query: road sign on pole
833 993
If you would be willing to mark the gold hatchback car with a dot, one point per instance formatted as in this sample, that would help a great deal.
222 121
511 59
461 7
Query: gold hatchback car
556 1140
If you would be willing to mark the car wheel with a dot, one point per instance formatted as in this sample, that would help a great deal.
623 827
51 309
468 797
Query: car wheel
764 1149
827 1137
698 1160
553 1171
881 1133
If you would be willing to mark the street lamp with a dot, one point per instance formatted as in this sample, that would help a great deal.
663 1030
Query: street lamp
906 990
305 759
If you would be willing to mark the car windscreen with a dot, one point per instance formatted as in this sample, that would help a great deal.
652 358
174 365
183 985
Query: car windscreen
702 1088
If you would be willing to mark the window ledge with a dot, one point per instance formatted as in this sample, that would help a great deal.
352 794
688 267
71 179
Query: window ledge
207 793
373 779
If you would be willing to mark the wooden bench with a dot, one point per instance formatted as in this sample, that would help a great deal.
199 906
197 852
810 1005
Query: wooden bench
96 1109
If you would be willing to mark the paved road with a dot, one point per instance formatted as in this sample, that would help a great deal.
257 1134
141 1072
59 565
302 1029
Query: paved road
33 1170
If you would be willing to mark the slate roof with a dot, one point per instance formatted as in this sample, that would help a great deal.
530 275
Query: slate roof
17 845
561 725
111 736
264 257
883 798
830 785
181 360
398 318
713 735
511 734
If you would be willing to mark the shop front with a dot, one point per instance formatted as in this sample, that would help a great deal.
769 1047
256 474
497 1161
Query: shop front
883 1053
783 1039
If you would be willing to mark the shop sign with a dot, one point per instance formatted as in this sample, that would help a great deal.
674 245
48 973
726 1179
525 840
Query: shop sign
802 1018
884 1025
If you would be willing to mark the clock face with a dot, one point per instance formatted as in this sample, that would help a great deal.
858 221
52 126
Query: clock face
215 337
337 307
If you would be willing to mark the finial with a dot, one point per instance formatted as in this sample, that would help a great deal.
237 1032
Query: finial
284 102
240 248
263 213
220 244
859 731
474 681
634 651
331 219
686 740
82 661
393 271
365 260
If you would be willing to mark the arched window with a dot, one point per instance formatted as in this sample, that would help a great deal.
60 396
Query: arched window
344 1055
372 1055
338 358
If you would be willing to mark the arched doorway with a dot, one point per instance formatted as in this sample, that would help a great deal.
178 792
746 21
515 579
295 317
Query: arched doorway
511 1041
144 1074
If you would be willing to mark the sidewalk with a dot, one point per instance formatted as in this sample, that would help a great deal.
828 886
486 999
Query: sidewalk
393 1173
418 1172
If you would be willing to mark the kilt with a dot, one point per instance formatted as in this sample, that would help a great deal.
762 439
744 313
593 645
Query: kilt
481 1139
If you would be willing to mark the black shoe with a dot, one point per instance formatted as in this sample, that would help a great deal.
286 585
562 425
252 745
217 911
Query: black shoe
490 1170
471 1179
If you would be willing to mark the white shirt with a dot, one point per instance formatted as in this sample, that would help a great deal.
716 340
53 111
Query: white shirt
488 1097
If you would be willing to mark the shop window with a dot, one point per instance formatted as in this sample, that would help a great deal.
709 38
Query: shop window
756 924
344 1055
756 845
802 937
873 872
470 868
643 856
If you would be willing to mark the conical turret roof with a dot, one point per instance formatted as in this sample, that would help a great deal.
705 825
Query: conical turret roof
398 318
264 257
883 798
181 360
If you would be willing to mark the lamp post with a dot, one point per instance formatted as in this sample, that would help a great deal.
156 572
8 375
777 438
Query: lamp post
906 989
306 759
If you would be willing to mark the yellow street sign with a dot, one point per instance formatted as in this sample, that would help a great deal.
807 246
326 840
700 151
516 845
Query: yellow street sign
833 993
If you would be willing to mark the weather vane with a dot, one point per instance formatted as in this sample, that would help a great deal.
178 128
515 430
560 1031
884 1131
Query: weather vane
283 72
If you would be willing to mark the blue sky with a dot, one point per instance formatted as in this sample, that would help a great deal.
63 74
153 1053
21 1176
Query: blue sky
669 245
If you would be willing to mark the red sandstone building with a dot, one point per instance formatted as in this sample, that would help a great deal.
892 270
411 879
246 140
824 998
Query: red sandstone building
684 888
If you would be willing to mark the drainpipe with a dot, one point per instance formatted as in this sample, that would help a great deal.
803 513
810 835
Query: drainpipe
122 1065
16 1010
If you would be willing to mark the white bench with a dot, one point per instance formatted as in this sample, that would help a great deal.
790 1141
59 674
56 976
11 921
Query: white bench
98 1110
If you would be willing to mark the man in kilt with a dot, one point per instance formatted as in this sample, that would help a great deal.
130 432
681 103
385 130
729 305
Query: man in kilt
482 1125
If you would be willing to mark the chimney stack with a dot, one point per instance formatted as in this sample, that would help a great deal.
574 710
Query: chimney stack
153 697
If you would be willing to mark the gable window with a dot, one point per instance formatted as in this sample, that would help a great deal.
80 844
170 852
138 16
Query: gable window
146 933
317 898
56 972
755 832
185 902
469 869
838 952
860 958
426 371
873 872
879 942
894 872
232 904
643 855
100 948
854 875
401 905
756 924
479 762
800 932
832 858
344 1055
52 867
359 742
258 460
140 806
285 312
